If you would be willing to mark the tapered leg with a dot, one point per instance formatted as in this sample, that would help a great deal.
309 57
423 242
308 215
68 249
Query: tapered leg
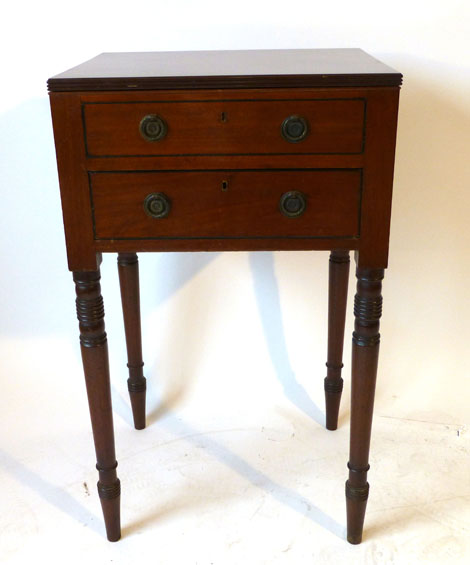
128 267
365 354
94 348
337 299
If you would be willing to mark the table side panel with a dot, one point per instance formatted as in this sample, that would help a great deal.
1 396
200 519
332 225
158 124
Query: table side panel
381 127
73 180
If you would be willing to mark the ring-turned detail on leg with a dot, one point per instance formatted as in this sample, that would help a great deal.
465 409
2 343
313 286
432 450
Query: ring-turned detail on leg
94 348
128 268
337 299
365 354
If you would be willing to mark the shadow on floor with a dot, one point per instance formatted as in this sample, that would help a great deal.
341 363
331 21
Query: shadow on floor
52 494
224 455
269 306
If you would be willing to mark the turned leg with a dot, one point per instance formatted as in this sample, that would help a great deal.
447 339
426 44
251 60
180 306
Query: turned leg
365 354
337 298
128 267
94 348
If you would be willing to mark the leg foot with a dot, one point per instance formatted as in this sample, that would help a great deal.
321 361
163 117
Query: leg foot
337 298
109 491
128 268
356 502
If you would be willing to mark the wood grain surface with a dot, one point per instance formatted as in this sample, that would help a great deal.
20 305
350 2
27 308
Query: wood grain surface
268 68
246 206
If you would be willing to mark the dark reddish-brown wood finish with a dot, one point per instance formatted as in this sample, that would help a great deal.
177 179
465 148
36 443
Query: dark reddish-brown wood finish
94 348
128 268
74 186
365 355
273 68
224 127
236 244
376 163
224 166
337 300
226 204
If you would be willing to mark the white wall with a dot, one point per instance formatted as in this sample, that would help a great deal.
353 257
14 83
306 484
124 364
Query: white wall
257 313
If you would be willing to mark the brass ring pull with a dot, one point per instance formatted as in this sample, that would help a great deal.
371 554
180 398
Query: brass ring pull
294 129
153 128
157 205
292 204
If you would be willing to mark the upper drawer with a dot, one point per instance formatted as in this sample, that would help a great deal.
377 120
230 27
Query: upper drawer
224 127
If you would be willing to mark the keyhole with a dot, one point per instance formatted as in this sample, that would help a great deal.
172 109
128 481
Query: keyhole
223 117
224 185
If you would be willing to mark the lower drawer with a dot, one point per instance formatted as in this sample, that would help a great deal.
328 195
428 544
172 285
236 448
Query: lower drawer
226 204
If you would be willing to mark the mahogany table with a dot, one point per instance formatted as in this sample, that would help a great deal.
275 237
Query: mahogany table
228 151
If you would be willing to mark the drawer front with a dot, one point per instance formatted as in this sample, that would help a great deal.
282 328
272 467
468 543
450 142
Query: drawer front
224 127
226 204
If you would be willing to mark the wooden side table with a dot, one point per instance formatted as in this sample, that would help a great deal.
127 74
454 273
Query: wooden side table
228 151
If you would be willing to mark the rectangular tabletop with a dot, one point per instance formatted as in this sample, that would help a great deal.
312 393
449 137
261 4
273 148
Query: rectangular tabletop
276 68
